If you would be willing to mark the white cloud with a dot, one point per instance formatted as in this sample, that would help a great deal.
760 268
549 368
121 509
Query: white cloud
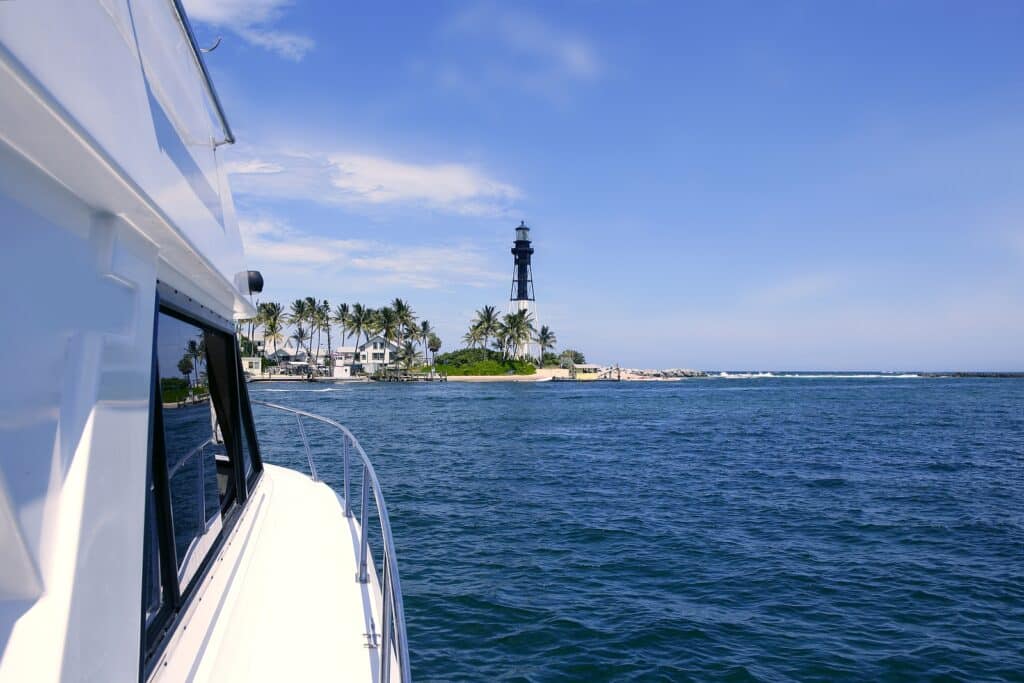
251 167
316 262
528 36
253 21
348 178
378 180
514 48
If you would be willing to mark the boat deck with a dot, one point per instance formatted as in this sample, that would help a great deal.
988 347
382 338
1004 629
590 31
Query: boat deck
292 609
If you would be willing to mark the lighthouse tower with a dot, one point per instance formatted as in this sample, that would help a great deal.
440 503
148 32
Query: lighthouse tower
522 297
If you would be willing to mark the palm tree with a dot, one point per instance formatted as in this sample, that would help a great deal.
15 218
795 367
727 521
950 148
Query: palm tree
545 339
423 332
501 338
311 318
243 328
195 350
513 332
406 318
185 366
388 324
518 330
322 318
434 344
298 315
407 354
341 318
473 337
487 320
257 323
272 332
529 331
358 321
300 336
272 317
373 322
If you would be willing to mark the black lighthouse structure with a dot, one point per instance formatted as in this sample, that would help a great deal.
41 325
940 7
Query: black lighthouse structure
522 296
522 273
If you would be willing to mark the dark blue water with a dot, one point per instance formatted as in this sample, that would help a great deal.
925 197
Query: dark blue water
766 529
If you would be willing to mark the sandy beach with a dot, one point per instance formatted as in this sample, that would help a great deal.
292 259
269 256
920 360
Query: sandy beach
543 375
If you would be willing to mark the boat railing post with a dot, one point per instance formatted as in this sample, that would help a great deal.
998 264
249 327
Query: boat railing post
363 541
305 444
345 455
200 484
385 650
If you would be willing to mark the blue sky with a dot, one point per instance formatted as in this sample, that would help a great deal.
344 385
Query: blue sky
823 185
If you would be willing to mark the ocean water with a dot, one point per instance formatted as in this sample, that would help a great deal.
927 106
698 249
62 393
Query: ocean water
775 529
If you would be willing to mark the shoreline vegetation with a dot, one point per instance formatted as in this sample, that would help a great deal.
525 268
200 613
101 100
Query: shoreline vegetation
481 362
496 348
495 345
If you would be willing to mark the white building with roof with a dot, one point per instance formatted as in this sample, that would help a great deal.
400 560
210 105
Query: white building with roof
373 354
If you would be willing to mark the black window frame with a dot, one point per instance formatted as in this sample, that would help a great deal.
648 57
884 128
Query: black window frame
153 638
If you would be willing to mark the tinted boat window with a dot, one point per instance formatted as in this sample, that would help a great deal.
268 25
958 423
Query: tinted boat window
250 450
189 445
203 456
152 590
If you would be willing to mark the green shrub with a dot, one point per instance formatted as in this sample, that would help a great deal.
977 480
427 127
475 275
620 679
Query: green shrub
550 359
488 367
176 389
464 357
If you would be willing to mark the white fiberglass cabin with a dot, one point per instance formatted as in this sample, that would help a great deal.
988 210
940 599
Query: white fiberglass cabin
141 536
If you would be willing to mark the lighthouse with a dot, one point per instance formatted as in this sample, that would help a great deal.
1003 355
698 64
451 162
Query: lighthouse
522 296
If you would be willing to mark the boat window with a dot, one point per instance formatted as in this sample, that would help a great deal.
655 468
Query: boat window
152 590
250 449
190 443
203 454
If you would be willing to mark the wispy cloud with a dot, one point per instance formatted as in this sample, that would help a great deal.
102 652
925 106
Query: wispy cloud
351 178
317 262
253 21
511 47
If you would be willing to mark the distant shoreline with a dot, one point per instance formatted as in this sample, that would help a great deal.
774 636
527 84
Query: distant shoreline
548 375
976 375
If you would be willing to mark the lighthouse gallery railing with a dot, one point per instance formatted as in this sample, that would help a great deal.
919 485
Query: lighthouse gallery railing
393 636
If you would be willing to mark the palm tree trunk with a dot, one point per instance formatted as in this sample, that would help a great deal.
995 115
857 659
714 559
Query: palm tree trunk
316 357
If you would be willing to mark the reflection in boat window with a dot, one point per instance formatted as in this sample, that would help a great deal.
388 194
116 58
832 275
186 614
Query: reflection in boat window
189 444
152 588
204 461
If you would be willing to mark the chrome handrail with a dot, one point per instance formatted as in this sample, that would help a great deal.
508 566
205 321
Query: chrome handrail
186 25
393 620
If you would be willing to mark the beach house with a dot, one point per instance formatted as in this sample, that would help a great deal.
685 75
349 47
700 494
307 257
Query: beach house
376 353
587 371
